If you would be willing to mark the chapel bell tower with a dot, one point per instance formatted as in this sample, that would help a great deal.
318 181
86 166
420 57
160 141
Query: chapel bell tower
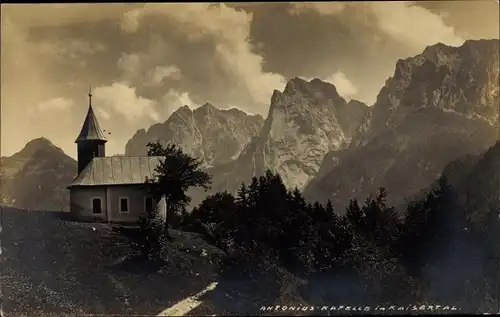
91 141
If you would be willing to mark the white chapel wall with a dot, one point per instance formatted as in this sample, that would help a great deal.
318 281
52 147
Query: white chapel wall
81 203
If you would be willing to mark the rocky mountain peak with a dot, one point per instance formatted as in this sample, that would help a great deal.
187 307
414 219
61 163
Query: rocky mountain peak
184 108
240 113
307 103
37 145
207 108
305 122
461 79
299 93
214 135
316 88
182 112
275 98
296 84
327 89
353 103
440 54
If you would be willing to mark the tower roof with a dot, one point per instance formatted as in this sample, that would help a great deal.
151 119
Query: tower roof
90 129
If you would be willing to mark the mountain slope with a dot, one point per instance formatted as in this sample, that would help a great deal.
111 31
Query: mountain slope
438 106
479 186
214 135
36 177
305 121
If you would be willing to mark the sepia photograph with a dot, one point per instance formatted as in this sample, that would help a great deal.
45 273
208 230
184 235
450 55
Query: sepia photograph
250 158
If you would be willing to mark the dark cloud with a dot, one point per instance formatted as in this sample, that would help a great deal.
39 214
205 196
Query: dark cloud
361 40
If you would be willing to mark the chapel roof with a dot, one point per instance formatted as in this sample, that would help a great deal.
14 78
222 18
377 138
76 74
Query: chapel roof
117 170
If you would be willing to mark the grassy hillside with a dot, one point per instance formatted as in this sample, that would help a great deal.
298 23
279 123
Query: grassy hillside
53 266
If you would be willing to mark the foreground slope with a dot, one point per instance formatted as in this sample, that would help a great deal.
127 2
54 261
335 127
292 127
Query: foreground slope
58 267
52 267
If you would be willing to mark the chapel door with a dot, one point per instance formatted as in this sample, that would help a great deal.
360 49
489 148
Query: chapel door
96 206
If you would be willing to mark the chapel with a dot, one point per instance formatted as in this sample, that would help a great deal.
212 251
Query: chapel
108 189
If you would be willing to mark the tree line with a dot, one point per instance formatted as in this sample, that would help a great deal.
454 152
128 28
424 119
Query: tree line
425 253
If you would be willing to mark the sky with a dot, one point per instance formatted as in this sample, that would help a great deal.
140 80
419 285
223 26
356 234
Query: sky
144 61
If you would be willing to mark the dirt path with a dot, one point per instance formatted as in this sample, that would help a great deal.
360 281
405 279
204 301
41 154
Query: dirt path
186 305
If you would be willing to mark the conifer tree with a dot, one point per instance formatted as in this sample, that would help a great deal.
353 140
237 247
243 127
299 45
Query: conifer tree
242 196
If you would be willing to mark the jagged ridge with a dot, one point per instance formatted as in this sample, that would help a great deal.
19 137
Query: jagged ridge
214 135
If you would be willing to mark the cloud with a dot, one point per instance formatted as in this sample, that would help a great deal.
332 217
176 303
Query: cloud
476 20
160 72
172 101
344 86
122 99
122 112
231 55
405 21
185 100
129 64
48 15
413 25
101 113
322 8
56 104
130 22
40 118
210 46
73 49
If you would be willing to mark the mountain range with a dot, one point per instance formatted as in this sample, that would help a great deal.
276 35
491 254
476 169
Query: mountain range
437 108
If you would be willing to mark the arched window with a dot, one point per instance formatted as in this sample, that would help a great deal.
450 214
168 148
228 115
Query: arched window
96 205
148 204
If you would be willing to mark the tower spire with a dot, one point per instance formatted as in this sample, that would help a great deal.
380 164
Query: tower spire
90 129
90 95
